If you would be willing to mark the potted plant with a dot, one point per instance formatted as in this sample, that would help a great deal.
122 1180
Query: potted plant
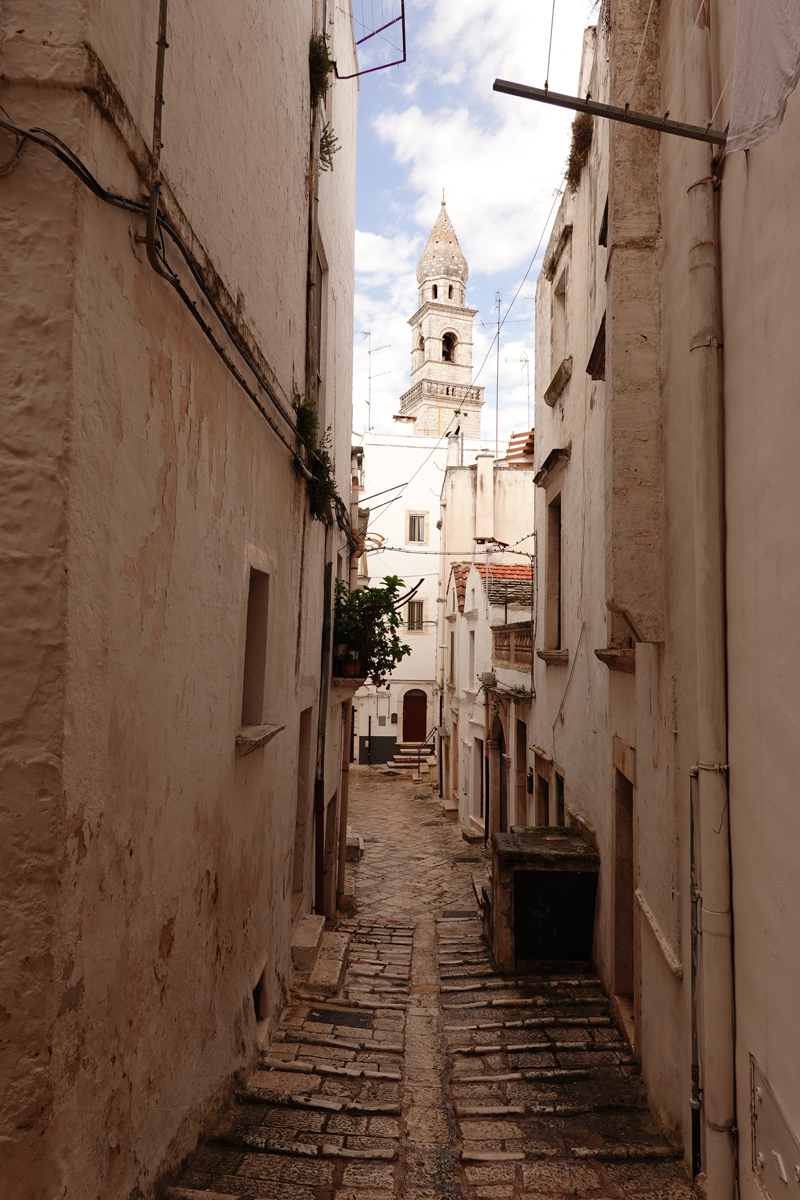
365 627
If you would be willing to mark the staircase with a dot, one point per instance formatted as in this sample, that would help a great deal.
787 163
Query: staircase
411 754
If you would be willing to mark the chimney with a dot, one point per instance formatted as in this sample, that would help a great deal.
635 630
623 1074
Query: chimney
452 450
484 500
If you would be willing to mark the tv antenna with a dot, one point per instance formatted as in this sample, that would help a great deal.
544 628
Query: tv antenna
368 335
526 362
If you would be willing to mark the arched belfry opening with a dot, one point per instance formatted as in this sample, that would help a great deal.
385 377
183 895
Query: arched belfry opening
435 291
449 347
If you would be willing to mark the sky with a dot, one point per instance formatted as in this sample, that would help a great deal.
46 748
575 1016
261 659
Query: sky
433 123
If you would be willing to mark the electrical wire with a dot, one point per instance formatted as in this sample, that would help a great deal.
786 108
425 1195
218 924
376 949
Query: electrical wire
50 142
524 279
639 55
550 46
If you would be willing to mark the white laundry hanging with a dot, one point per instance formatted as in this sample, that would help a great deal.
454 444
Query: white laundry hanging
766 69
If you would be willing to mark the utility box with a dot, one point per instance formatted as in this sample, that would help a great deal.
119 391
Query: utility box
544 886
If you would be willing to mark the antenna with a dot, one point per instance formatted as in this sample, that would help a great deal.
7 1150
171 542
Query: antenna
526 362
368 335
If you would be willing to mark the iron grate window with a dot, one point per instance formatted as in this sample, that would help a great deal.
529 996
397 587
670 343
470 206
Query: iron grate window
415 615
336 1016
416 527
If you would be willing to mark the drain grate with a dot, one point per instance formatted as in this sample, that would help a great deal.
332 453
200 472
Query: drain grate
429 824
370 839
466 858
335 1016
460 912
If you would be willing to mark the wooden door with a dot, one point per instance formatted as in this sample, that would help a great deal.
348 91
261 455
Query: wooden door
415 716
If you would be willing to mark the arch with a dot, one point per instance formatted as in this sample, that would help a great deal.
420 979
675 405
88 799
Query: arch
415 715
449 347
498 776
450 292
435 292
421 344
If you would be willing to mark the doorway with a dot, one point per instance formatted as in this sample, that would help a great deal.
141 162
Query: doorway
542 800
624 972
503 766
520 764
415 716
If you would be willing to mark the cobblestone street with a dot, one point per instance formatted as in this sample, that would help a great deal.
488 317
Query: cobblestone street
429 1075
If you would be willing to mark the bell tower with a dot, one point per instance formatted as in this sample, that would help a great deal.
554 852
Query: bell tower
441 392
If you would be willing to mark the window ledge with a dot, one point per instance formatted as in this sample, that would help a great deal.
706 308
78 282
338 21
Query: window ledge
554 658
558 382
618 658
450 617
250 737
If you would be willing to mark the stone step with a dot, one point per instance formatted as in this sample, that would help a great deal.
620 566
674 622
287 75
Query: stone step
327 976
306 941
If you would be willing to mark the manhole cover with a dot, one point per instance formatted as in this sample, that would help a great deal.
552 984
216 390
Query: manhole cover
466 858
460 912
335 1016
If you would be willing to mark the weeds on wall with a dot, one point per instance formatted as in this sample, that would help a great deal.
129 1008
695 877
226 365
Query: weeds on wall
328 146
582 131
322 485
365 624
320 67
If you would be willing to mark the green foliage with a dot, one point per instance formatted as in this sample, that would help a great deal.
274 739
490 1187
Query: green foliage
328 146
582 131
319 66
366 622
322 485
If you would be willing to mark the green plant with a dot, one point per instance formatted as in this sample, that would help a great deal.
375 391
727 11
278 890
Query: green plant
322 484
366 622
582 131
319 66
328 146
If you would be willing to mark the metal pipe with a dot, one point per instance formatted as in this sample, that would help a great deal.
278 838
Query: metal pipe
158 112
700 133
695 897
322 721
715 963
344 797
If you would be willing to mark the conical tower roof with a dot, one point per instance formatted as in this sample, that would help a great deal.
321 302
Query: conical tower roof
442 257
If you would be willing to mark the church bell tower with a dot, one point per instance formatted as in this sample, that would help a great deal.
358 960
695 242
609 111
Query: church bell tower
441 393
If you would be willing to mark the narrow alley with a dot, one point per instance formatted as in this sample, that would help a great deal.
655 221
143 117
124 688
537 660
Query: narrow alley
428 1075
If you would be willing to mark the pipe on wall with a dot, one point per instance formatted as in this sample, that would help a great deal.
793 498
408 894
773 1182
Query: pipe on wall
712 830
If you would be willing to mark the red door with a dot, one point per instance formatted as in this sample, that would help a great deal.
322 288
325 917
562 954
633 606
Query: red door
415 716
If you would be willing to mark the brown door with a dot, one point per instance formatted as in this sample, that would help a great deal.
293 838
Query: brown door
415 716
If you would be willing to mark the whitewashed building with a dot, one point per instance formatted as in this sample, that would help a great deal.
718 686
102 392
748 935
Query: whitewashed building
403 474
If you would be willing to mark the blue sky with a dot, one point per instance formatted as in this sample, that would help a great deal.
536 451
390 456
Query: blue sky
435 123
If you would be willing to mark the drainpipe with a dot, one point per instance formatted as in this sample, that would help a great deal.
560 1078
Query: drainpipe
715 965
322 722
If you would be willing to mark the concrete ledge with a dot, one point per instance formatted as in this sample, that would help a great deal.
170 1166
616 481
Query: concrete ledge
306 941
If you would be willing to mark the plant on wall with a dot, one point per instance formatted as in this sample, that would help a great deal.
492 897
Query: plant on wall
582 131
328 146
365 624
319 66
321 485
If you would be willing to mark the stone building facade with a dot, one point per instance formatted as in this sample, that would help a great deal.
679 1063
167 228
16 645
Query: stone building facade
666 615
172 743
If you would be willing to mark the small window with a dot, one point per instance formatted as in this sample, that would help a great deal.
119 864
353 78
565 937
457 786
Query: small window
553 594
435 292
414 619
255 649
416 527
452 671
471 655
450 292
448 348
421 344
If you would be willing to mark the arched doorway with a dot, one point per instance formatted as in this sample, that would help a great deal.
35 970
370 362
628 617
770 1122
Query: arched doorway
498 778
415 716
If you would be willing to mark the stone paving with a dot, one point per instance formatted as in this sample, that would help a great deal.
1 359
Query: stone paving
430 1076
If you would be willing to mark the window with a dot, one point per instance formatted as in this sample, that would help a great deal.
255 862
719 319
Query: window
435 292
255 649
559 330
416 527
414 619
450 292
553 596
452 670
449 347
471 655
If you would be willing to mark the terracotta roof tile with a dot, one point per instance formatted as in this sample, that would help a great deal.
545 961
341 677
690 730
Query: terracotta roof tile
499 574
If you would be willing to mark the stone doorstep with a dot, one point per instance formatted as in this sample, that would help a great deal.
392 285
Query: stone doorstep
354 848
306 941
327 975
